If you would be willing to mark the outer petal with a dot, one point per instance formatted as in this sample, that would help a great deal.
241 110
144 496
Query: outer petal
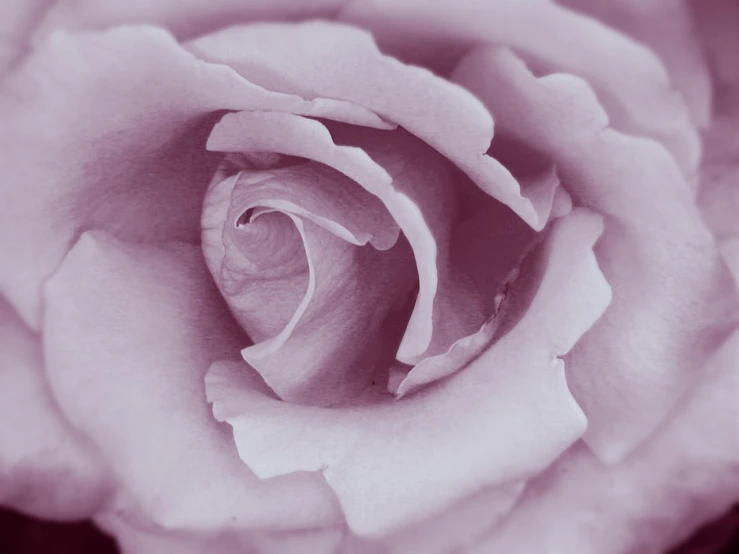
717 22
685 475
718 195
321 195
730 254
129 333
108 131
670 288
335 342
341 62
456 529
47 469
667 27
17 20
264 275
132 540
185 18
629 79
500 420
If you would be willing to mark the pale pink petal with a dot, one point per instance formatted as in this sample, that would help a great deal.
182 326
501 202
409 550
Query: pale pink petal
629 79
686 475
436 367
17 21
300 276
296 136
459 527
371 455
321 195
419 189
631 368
129 333
108 131
333 343
730 255
311 541
185 18
717 21
341 62
47 469
136 540
667 27
262 273
718 194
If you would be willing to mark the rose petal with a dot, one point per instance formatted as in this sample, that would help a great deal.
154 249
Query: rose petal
112 137
328 65
667 27
457 528
716 21
269 278
629 79
330 348
133 540
152 322
47 469
321 195
17 20
730 255
685 476
718 195
324 347
655 250
185 18
296 136
370 454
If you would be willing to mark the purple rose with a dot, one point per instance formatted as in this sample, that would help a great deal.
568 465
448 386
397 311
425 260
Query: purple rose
383 276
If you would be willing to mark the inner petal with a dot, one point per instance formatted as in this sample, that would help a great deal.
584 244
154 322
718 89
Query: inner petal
265 284
335 341
311 265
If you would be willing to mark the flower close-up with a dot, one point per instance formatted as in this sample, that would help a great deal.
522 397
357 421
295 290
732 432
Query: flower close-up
363 277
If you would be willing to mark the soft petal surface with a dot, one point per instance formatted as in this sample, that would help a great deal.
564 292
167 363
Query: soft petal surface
730 254
186 19
485 249
17 20
108 131
321 195
262 273
632 367
717 21
503 418
152 323
134 540
718 195
47 469
407 172
341 62
628 77
667 27
455 529
686 475
335 342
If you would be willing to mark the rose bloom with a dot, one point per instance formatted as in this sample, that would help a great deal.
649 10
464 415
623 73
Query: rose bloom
391 276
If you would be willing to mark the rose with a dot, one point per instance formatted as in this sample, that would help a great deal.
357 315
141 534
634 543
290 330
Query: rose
106 174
